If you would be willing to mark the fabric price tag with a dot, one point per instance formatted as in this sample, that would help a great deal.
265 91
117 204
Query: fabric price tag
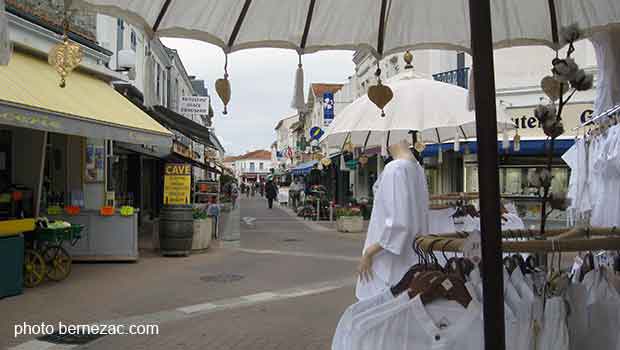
447 285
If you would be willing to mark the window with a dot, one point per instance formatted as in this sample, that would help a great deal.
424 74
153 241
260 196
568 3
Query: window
158 80
261 166
252 166
134 40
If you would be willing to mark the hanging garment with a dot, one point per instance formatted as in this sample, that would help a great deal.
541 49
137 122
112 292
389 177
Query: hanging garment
441 221
399 214
441 325
602 312
606 166
607 48
554 334
344 327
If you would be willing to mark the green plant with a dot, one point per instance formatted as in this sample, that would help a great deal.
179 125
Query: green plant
348 211
200 214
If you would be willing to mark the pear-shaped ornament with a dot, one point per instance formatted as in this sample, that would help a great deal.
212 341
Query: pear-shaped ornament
222 87
380 95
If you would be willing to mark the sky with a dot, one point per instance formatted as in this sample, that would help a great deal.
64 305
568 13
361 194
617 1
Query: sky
261 82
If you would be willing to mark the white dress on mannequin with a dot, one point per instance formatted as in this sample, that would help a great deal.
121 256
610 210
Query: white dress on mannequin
399 214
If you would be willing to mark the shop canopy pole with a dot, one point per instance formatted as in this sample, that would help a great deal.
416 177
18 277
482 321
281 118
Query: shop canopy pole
486 129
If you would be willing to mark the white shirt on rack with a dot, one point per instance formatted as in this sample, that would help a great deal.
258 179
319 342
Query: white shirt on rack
399 214
441 325
343 330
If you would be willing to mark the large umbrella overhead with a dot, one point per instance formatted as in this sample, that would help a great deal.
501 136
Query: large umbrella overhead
388 25
435 109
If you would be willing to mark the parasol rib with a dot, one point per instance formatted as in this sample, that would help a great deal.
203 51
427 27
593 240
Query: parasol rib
554 22
160 16
381 28
304 37
237 27
463 132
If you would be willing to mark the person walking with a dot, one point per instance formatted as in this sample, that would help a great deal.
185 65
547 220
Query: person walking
271 192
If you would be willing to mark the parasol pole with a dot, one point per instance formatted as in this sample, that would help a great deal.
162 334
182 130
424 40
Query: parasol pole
486 130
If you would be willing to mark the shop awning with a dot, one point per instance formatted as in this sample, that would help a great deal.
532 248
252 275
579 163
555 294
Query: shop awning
528 148
31 98
184 125
303 168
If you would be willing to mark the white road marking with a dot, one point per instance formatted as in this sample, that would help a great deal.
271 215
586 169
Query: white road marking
301 254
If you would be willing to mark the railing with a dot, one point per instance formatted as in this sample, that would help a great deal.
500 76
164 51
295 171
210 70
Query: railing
458 77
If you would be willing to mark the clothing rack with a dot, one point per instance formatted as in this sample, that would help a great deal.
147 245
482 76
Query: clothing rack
573 240
607 113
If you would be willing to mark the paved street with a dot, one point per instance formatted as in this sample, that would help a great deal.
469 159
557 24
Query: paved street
283 286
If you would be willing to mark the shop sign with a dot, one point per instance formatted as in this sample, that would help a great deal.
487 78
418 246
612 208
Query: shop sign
194 105
526 123
177 183
31 121
328 108
181 149
316 133
95 162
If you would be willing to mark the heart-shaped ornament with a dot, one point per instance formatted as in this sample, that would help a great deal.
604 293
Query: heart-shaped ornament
222 87
553 88
380 95
419 146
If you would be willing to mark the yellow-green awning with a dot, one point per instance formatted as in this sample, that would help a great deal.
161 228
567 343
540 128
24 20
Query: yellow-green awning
30 97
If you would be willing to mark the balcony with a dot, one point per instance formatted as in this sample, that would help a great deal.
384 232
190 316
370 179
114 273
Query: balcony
458 77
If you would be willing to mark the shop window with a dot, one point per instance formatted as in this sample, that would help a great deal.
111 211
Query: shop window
133 40
261 166
252 167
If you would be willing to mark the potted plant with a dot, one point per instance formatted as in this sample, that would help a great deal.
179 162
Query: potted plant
349 219
203 230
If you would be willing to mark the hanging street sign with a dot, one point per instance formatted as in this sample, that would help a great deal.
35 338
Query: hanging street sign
328 108
194 105
316 133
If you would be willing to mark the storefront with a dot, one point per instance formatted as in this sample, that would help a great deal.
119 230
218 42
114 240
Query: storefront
514 164
57 147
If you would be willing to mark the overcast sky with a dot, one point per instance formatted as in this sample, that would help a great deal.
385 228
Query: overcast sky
262 87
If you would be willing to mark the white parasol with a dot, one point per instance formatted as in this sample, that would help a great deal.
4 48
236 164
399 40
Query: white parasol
383 26
435 109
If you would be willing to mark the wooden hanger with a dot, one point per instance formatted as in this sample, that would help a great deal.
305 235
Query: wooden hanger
448 287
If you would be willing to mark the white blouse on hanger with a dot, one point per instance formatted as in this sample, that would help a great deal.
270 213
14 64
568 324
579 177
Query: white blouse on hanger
399 214
441 325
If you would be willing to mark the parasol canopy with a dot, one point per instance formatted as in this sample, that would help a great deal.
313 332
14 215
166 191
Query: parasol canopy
388 26
435 109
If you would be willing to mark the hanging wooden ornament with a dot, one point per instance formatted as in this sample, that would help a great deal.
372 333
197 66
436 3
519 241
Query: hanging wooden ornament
517 142
505 140
348 147
380 94
419 146
553 88
363 160
65 56
222 87
326 162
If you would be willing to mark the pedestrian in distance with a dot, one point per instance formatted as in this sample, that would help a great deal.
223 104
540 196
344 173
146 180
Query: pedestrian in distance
271 191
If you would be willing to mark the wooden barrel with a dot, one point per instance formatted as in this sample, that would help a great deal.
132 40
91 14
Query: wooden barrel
176 229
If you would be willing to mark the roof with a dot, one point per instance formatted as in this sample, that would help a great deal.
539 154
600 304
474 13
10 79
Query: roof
318 89
260 154
230 159
281 121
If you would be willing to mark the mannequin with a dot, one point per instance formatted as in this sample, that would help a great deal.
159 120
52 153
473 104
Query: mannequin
400 212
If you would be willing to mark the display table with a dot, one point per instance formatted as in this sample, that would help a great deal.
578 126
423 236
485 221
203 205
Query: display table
104 238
